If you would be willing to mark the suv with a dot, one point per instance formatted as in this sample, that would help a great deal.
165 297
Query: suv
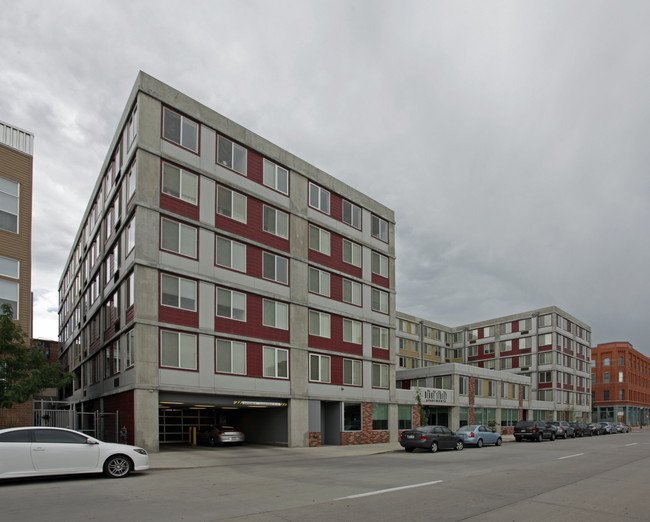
581 429
533 430
564 429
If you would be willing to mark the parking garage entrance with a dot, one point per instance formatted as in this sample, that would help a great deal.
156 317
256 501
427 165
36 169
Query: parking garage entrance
263 420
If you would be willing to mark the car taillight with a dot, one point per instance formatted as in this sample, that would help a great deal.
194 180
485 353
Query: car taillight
471 435
423 437
534 429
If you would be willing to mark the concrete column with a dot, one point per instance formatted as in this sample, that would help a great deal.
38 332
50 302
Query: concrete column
298 411
145 411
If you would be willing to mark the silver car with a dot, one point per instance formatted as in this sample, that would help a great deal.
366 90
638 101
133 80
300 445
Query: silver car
479 434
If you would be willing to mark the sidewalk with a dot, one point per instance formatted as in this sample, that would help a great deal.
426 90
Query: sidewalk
180 456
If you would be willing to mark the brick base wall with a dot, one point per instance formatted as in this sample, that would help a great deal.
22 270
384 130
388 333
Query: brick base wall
315 439
17 416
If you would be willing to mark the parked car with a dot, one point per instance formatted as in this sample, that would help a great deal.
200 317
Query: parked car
534 430
610 427
621 427
37 451
564 429
219 435
597 428
431 438
581 429
479 434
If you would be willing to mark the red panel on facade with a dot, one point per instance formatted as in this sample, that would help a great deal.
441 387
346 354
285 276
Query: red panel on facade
122 403
381 281
337 370
255 167
380 353
336 206
167 314
178 206
254 365
255 326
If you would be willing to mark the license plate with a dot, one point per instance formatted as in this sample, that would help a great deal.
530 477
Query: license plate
410 436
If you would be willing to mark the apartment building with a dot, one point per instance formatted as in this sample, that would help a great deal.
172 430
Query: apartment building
218 279
620 384
547 345
16 165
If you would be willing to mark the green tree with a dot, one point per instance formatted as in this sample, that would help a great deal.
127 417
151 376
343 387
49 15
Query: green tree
421 409
24 371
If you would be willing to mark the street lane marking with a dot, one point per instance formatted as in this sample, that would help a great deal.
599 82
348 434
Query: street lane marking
389 490
570 456
632 444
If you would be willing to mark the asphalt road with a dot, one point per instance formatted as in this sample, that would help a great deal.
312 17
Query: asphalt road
597 478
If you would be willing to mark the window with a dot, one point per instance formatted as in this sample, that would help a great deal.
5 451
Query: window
117 356
231 254
177 350
505 328
351 416
546 358
9 267
178 292
130 290
319 324
380 228
605 395
492 389
276 177
177 237
505 346
379 301
380 375
621 361
472 351
545 340
180 184
525 360
545 395
130 349
132 128
404 417
488 348
319 198
351 331
275 314
275 268
231 204
463 385
276 362
231 304
545 376
130 236
319 368
319 282
606 361
351 214
352 372
319 240
9 295
232 155
620 377
478 385
351 253
276 222
9 194
606 377
545 320
231 357
131 181
180 130
379 264
380 337
506 364
351 292
621 395
380 416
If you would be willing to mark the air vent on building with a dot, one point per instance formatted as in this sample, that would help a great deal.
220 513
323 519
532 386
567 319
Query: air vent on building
472 342
523 332
116 276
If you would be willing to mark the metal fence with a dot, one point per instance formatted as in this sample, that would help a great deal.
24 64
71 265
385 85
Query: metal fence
103 426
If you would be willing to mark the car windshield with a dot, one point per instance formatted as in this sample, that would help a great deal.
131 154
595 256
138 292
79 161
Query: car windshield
467 428
424 429
524 423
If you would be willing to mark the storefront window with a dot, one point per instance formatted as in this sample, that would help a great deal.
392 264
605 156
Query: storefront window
405 417
380 416
351 416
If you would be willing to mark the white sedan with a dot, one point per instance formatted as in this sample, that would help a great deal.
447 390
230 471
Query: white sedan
36 451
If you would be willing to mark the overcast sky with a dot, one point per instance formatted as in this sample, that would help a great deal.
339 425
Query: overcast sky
509 137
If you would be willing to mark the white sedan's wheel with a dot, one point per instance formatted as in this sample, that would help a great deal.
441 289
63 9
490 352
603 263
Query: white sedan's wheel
117 466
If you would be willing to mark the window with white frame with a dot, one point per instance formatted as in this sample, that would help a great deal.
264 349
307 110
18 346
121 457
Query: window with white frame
129 351
180 184
9 198
319 198
379 301
132 127
180 130
177 350
9 267
379 375
178 238
231 254
276 222
545 377
131 181
525 360
545 339
545 320
478 385
351 253
319 281
472 351
463 385
276 362
130 236
130 290
231 357
275 268
352 372
319 324
380 337
231 204
319 240
319 367
506 363
488 348
351 331
231 304
492 388
351 214
178 292
379 264
275 314
489 364
525 342
351 292
505 328
379 228
232 155
276 177
9 295
505 346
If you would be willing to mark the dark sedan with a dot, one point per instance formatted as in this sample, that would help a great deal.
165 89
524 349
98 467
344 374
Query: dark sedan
431 438
597 428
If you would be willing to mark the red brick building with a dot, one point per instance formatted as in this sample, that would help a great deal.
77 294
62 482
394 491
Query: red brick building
620 388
